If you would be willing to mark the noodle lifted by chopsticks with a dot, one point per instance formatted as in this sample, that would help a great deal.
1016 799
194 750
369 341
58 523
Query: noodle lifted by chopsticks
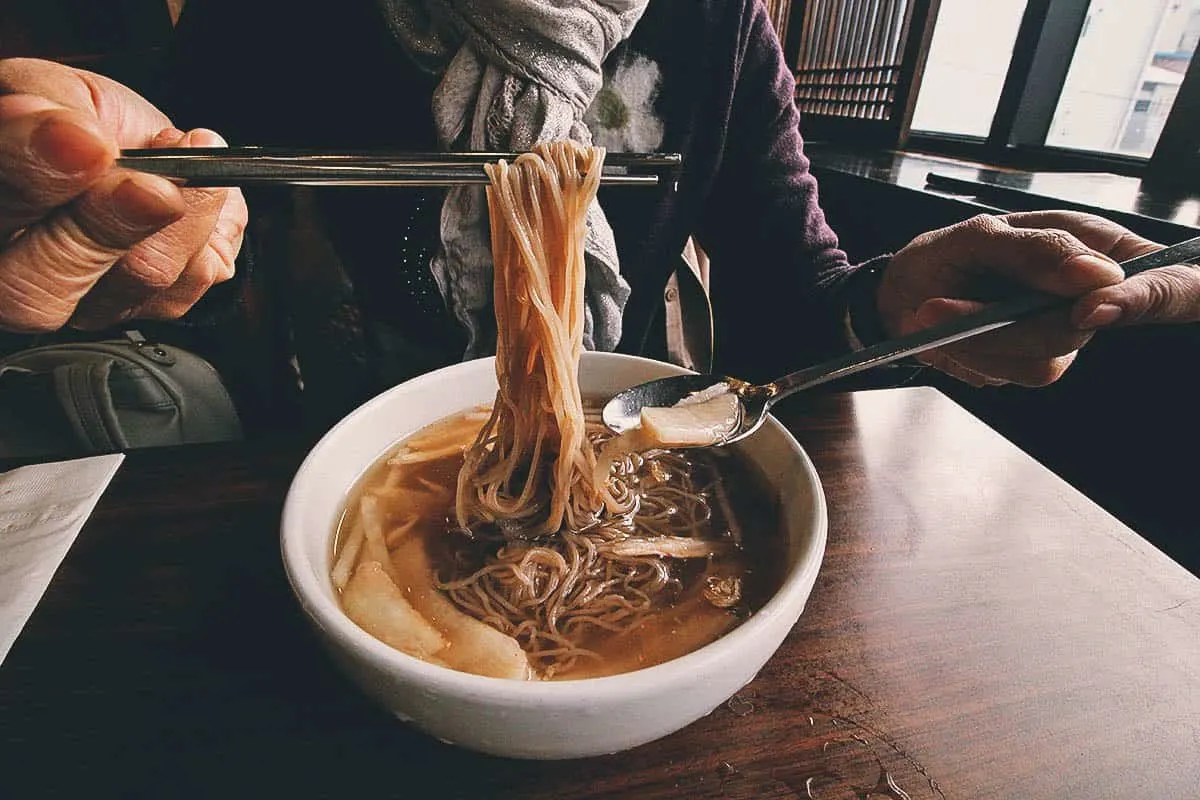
535 440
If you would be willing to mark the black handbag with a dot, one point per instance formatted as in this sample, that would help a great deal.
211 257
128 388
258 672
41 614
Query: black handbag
84 398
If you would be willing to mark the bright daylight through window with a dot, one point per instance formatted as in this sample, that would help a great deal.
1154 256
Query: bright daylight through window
1127 69
968 60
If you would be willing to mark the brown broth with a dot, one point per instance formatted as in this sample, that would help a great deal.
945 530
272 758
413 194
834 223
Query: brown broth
681 623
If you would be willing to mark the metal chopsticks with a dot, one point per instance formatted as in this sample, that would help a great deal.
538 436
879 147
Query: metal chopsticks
248 166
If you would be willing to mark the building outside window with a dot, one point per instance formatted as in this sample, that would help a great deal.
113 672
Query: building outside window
1126 70
1126 73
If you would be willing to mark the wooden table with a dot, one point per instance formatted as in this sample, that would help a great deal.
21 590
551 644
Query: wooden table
1163 213
979 630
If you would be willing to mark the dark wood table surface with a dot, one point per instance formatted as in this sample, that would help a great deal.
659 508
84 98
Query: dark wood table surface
979 629
1167 214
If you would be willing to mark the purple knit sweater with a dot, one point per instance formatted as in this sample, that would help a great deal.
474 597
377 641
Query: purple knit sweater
275 72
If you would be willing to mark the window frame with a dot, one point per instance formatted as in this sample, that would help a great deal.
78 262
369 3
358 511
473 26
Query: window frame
1045 46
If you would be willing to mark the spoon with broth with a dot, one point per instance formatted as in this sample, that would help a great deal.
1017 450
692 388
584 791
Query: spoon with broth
716 410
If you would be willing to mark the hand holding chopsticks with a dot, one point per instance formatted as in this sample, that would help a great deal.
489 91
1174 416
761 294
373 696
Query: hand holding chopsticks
85 245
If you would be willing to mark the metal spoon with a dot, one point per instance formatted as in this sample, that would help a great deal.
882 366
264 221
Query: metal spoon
623 411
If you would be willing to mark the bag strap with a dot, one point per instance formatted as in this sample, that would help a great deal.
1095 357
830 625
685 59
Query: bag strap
83 388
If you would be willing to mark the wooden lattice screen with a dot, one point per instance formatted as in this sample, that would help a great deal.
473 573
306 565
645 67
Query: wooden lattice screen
858 65
779 11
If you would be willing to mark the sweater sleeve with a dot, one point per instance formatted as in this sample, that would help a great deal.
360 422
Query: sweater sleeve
779 279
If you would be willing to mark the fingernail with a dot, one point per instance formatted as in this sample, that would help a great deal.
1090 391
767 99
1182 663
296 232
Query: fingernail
228 230
1102 316
931 314
66 147
203 137
147 201
1092 263
169 137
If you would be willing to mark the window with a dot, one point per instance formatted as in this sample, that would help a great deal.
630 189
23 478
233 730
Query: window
1104 84
1125 75
968 60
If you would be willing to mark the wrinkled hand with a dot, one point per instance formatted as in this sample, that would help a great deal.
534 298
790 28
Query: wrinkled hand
83 242
956 270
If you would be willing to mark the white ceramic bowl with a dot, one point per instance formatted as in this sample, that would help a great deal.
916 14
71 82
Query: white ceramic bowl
543 720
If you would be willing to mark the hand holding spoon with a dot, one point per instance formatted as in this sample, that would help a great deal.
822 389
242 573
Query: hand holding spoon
624 411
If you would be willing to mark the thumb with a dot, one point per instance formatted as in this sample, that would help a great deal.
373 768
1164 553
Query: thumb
48 156
1164 295
49 266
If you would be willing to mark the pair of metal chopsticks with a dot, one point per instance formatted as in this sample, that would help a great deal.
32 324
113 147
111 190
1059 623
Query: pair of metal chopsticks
248 166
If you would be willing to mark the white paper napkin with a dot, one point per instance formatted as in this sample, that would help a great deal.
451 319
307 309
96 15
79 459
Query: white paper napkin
42 509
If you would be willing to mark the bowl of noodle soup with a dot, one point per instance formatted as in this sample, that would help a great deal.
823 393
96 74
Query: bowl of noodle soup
493 566
538 719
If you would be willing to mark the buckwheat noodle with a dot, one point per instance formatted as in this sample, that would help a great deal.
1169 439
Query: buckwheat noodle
555 549
535 440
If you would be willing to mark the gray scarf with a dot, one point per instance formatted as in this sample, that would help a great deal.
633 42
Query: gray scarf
514 73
